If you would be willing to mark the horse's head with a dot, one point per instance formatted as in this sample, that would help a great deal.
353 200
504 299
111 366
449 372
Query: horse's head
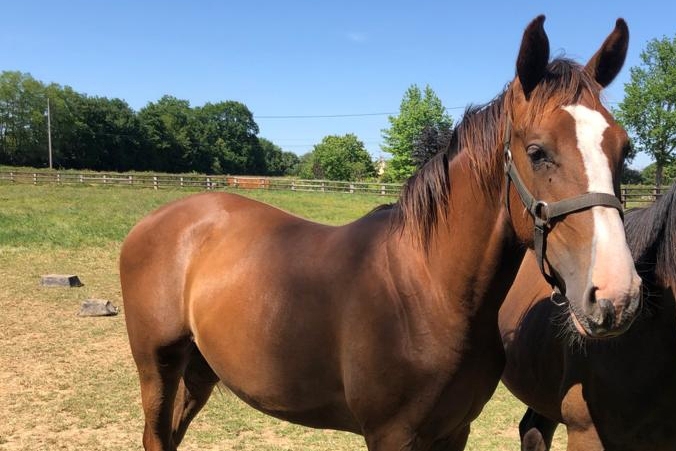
563 160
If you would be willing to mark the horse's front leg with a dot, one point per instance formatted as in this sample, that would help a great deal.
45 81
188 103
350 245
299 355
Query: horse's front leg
536 431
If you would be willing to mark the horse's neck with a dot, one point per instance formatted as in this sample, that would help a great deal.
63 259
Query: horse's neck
475 253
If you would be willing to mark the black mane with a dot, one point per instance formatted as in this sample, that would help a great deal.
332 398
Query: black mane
651 236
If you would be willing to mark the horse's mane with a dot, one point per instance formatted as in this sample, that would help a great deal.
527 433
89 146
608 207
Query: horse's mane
651 236
424 201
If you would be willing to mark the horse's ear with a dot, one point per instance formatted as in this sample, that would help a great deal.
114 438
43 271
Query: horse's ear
608 60
531 65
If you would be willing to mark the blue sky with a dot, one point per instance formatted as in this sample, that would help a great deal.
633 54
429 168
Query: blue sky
284 59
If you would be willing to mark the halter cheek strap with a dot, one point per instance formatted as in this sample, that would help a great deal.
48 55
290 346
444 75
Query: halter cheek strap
544 213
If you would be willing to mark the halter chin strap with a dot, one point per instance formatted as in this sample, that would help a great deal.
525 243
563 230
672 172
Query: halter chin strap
544 213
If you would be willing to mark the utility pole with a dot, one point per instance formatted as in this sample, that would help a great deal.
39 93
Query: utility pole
49 134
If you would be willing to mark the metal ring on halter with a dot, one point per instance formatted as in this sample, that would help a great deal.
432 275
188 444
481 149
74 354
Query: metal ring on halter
558 304
508 157
541 211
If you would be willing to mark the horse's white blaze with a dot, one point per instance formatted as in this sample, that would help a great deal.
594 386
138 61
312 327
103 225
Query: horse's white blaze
612 264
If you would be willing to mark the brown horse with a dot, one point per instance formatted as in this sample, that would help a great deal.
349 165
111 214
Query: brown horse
615 394
387 327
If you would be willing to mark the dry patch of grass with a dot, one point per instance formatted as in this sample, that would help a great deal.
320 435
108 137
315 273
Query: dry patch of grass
69 383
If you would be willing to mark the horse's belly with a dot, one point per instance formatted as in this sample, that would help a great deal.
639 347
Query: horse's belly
277 357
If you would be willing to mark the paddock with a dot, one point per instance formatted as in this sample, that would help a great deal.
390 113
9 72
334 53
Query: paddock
69 383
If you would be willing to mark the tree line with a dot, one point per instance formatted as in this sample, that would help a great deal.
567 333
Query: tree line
99 133
169 135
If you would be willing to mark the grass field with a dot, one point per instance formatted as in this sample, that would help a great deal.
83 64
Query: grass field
69 383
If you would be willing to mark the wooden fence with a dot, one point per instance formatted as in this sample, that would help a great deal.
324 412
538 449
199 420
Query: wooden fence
632 195
206 182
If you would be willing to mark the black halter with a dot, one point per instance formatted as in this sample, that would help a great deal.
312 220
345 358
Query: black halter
544 213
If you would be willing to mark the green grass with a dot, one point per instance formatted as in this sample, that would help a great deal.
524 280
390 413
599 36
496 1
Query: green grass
69 383
71 217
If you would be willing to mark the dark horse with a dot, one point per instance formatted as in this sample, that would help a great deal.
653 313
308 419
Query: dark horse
615 394
387 327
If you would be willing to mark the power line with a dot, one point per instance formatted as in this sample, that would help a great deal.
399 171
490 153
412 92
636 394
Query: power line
321 116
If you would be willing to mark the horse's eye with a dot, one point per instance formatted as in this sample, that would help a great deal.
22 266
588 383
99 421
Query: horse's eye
537 154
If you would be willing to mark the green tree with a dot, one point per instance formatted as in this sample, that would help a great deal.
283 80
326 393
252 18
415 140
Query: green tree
418 111
648 174
227 136
106 135
631 176
290 163
169 126
648 110
338 158
23 124
277 162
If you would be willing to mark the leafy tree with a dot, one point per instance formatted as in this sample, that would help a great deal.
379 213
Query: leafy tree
418 110
277 162
228 136
290 163
106 135
308 167
431 141
648 174
631 176
168 126
648 110
338 158
23 125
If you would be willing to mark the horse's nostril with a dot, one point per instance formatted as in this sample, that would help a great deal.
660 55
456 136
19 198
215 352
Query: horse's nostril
592 295
604 317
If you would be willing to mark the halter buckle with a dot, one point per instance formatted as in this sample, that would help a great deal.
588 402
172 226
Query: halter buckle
555 294
541 212
508 157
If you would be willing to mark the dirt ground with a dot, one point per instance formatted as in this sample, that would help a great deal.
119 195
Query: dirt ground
69 383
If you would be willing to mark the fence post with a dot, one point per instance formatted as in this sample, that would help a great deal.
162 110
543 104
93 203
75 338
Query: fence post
154 182
322 187
81 178
131 181
58 178
104 179
293 185
181 180
623 191
11 176
351 188
382 190
208 183
35 178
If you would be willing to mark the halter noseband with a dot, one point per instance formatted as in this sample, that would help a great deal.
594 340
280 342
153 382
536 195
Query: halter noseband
544 213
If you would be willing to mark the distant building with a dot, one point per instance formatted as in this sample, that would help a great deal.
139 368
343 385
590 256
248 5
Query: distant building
380 164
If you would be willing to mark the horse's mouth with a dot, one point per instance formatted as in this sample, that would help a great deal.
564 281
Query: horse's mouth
585 330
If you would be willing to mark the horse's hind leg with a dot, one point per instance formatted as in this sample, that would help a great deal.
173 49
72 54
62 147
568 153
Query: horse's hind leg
536 431
160 371
194 389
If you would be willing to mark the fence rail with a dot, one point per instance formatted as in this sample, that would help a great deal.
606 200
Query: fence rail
632 195
206 182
